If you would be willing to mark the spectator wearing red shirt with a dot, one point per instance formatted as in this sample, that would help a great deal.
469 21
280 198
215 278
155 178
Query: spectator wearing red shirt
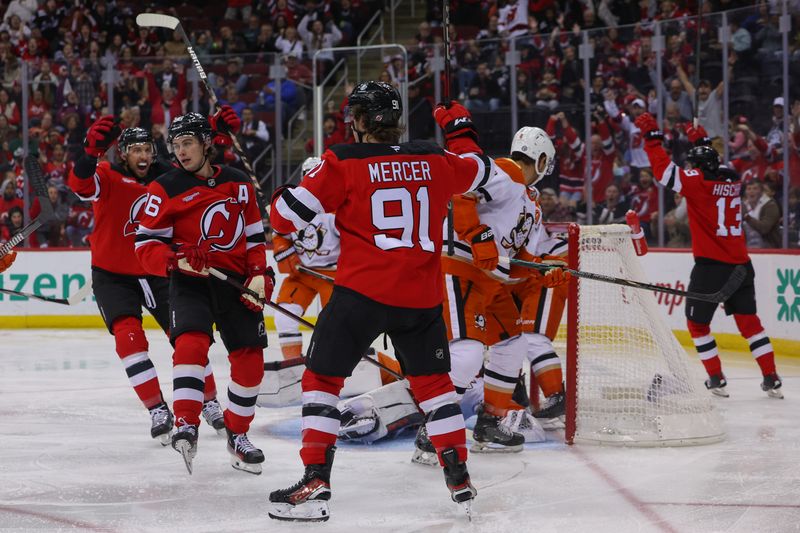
644 200
330 135
37 106
9 108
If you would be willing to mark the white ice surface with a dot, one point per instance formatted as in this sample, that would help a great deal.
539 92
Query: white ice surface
75 454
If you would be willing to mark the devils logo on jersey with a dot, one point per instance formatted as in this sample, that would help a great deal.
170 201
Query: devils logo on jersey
134 215
309 240
222 225
519 235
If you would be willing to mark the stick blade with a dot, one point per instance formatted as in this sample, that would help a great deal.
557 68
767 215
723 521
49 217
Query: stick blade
82 293
149 20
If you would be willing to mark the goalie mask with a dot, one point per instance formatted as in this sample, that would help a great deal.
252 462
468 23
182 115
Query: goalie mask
535 144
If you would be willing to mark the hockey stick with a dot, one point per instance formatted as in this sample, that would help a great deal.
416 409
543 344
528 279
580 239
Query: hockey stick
696 119
446 36
231 281
722 295
39 184
318 275
73 299
150 20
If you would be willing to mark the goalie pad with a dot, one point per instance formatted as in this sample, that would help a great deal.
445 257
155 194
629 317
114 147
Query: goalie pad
522 421
280 386
382 412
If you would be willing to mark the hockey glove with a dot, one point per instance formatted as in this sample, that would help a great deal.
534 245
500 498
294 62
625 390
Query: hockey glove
649 128
285 255
101 136
225 120
189 259
484 250
262 282
697 136
7 260
459 130
555 277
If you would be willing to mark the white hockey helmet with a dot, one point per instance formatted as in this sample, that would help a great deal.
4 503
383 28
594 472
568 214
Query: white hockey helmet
534 142
309 164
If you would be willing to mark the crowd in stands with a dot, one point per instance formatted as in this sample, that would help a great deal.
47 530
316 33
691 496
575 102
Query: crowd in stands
87 58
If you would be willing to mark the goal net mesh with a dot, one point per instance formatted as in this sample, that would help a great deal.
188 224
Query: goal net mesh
635 384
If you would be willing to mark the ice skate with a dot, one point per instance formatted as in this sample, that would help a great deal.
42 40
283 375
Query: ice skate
716 384
184 440
424 452
490 436
457 478
212 413
306 500
554 406
244 456
772 386
161 422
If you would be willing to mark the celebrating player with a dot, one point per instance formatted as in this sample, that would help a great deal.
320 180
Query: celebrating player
390 200
713 196
198 216
121 285
316 247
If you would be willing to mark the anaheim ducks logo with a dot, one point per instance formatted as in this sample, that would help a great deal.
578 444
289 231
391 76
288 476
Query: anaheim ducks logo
518 236
222 225
134 216
309 240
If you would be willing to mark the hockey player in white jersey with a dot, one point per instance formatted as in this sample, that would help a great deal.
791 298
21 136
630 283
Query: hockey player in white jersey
316 247
491 225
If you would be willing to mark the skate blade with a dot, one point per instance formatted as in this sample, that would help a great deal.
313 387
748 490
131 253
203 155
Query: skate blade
775 393
490 447
221 431
421 457
250 468
722 393
185 449
310 511
467 506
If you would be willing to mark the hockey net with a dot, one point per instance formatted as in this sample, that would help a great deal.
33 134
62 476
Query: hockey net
629 381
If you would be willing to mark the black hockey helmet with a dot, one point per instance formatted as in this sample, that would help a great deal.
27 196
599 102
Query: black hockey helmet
704 157
380 101
189 124
131 136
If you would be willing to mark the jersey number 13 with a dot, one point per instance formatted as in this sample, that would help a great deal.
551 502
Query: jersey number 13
727 208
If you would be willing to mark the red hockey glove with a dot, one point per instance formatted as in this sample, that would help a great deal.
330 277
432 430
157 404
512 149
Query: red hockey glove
101 136
649 127
484 250
225 120
459 130
189 259
262 282
697 136
285 255
7 260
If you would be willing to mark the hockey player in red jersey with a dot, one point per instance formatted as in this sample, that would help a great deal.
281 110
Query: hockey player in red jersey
121 286
713 196
197 216
390 200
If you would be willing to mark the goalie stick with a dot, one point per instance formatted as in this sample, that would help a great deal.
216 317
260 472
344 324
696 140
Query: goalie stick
73 299
224 277
722 295
37 180
318 275
157 20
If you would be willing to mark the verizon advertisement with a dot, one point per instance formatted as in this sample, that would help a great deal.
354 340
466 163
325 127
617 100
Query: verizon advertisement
61 273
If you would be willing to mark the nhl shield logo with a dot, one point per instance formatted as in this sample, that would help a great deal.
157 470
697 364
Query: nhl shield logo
222 225
134 216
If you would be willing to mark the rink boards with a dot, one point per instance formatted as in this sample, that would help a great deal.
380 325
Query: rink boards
59 273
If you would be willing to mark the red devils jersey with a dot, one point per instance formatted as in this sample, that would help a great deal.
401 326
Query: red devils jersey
714 208
219 212
390 202
117 199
